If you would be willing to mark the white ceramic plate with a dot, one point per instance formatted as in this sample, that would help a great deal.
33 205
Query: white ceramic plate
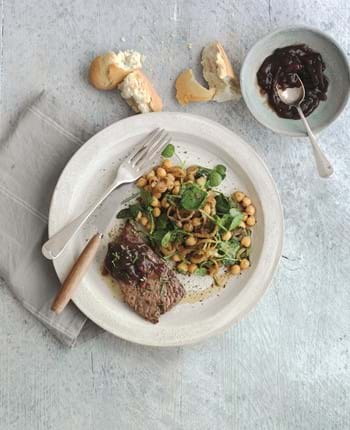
198 140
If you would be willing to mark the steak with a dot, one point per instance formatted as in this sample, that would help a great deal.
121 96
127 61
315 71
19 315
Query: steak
148 285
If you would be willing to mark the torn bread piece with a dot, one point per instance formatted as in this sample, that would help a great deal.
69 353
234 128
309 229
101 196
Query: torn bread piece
139 93
218 72
108 70
188 89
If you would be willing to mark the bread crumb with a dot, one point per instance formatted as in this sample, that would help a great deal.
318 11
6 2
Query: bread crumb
123 39
189 46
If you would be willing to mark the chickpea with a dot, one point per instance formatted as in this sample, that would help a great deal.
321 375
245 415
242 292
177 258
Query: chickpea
196 222
151 174
177 172
177 182
192 268
156 212
188 227
141 182
182 267
226 236
176 189
235 269
244 264
207 209
192 170
190 178
153 182
148 226
162 187
211 199
157 195
164 203
201 181
250 210
170 186
170 177
242 224
246 241
167 164
239 196
191 241
161 172
251 221
176 258
155 202
246 202
245 217
143 221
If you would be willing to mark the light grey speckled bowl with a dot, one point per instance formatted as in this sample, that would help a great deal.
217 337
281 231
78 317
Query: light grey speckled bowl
337 71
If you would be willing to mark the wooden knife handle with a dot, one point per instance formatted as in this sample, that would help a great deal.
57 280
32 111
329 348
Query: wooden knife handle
76 274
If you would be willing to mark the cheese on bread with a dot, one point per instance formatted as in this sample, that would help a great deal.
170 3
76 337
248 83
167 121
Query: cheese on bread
108 70
218 72
139 93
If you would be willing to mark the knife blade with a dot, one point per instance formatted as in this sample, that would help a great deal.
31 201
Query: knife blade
105 215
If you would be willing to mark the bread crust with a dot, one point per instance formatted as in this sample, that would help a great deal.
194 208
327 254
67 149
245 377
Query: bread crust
155 103
108 70
188 89
99 72
219 73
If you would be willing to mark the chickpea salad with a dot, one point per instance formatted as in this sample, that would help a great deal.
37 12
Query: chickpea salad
190 223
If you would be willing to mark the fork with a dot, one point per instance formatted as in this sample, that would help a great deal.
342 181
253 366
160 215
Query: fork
129 171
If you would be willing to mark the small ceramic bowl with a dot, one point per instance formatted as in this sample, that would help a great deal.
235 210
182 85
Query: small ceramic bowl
337 72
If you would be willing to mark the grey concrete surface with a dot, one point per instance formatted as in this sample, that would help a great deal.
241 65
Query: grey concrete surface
285 366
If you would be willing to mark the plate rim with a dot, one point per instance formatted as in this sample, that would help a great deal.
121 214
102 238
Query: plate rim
274 264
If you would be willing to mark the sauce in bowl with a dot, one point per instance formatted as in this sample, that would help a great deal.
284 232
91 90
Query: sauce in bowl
280 69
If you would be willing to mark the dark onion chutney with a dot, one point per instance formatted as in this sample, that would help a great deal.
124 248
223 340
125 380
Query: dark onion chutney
280 69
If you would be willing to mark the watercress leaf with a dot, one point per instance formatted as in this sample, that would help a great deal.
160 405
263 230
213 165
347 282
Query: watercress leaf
168 151
214 179
192 197
223 204
124 213
201 271
221 169
202 171
236 221
134 210
234 212
162 222
228 250
157 236
146 197
224 221
167 238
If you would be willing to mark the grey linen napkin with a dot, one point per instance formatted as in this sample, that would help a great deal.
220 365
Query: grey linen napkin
31 160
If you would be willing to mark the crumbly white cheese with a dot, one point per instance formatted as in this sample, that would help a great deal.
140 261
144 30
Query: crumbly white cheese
135 94
129 60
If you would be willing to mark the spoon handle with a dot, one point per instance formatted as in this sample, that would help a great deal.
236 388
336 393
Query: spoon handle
323 165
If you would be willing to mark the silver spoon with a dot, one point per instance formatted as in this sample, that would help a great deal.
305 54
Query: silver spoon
294 97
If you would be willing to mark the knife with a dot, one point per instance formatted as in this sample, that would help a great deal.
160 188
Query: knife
104 216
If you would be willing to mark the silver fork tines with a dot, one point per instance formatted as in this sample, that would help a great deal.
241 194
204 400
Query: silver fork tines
145 143
128 171
150 150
